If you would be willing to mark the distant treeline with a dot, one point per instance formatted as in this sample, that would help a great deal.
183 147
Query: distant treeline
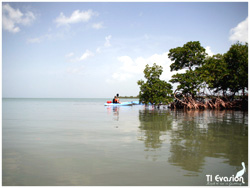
129 97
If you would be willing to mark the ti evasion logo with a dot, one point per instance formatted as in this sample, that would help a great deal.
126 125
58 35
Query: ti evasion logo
224 180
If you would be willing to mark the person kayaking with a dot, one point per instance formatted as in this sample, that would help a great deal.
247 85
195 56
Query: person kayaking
116 99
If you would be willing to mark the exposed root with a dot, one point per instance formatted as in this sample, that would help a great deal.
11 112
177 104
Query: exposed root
206 102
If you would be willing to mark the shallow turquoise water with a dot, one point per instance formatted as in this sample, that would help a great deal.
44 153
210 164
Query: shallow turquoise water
82 142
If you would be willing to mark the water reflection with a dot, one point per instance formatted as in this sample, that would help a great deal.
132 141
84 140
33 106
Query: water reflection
115 110
196 135
208 134
153 125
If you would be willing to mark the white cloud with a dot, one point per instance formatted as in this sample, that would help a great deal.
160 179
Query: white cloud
107 43
130 68
14 17
28 18
34 40
39 39
97 25
119 77
98 50
78 70
76 17
209 51
240 32
69 55
83 57
86 54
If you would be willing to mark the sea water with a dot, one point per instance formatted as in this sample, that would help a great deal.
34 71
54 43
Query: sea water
81 142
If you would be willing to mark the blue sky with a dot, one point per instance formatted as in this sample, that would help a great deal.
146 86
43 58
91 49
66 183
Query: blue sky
85 49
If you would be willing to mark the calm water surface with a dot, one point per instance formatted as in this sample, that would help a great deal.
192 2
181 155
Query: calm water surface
82 142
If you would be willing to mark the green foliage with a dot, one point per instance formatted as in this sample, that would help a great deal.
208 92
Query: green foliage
214 73
237 65
190 55
154 90
188 82
228 72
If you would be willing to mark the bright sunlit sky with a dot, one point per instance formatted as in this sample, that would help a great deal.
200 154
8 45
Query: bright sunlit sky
78 50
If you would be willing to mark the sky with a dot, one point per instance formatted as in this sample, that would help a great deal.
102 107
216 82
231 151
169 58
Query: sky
89 50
